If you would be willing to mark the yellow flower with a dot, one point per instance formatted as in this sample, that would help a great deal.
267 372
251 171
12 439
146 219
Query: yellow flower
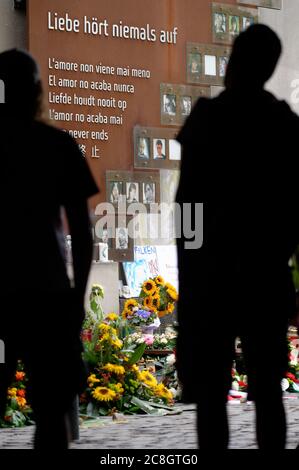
159 280
119 370
135 368
147 301
92 379
103 394
170 307
21 401
147 378
170 286
126 313
149 287
12 392
156 301
105 337
112 317
162 313
172 294
130 304
163 392
104 328
117 343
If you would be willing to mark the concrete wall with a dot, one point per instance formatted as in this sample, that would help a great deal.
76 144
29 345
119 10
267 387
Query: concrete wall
12 27
286 23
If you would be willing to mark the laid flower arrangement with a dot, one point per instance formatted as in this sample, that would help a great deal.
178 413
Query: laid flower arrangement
290 382
239 382
18 412
138 315
158 295
164 341
115 380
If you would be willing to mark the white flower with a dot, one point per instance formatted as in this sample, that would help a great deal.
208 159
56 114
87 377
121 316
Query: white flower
170 359
285 385
163 341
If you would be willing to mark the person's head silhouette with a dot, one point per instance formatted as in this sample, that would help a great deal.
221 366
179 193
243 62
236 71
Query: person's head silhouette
253 59
23 90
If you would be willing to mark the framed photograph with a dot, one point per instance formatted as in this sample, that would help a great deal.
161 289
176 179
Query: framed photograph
115 192
121 247
223 61
132 190
149 193
122 238
136 192
169 104
144 148
194 64
276 4
185 98
175 150
229 20
220 22
215 59
159 149
104 235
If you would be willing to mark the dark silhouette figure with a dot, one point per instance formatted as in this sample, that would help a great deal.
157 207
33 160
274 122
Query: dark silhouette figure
239 160
42 173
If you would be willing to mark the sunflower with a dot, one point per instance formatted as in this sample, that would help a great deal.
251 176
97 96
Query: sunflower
118 370
170 286
159 280
112 317
163 392
149 287
130 304
170 307
172 294
147 378
126 313
104 328
117 343
105 337
135 368
103 394
156 301
147 301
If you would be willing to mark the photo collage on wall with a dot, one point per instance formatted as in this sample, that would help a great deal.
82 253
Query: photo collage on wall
177 102
206 64
156 148
228 21
276 4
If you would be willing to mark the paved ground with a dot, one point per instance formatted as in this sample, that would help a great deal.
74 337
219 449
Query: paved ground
168 432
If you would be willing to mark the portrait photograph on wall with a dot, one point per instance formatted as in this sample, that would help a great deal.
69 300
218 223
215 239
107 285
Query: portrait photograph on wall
229 20
163 153
212 63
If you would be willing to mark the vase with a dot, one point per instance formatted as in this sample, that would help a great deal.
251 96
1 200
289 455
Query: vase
148 330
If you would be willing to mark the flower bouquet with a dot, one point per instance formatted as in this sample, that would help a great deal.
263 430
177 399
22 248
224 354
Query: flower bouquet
139 316
159 296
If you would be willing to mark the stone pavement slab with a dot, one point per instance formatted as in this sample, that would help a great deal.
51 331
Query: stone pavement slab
167 432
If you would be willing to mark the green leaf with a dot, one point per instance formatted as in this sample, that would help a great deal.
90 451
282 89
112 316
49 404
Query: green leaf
137 355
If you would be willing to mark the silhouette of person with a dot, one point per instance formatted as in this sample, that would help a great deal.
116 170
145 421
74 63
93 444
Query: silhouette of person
42 172
250 230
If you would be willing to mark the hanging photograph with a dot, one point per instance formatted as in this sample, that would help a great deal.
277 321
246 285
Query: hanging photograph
174 150
144 148
215 60
159 149
122 238
276 4
184 97
132 192
149 193
116 192
160 141
229 20
194 64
